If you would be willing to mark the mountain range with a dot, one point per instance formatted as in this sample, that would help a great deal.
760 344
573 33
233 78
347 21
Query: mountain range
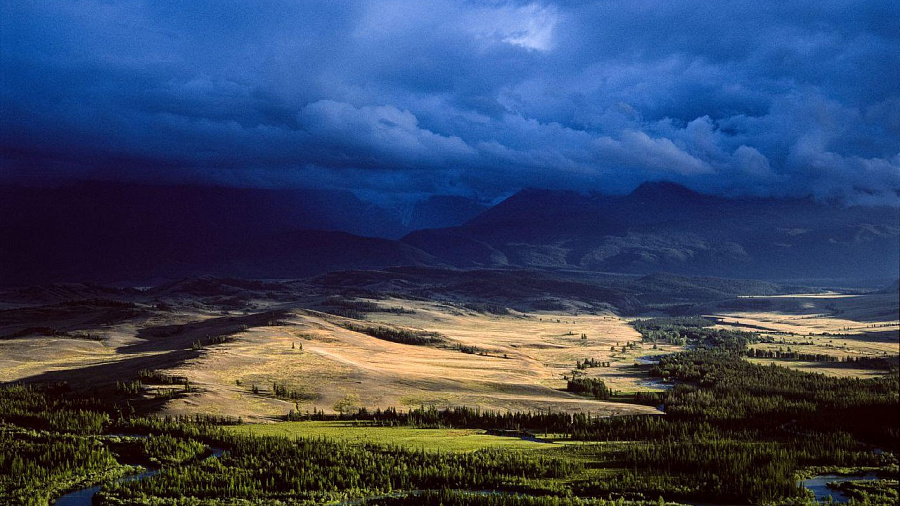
667 227
141 234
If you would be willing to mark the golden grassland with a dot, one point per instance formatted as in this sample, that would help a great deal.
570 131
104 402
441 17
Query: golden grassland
819 315
819 367
523 366
322 363
521 362
833 324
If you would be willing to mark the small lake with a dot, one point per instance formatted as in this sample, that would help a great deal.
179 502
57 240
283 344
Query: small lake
653 359
656 383
819 486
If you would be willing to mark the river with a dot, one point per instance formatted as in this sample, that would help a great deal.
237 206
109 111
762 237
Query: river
85 496
817 484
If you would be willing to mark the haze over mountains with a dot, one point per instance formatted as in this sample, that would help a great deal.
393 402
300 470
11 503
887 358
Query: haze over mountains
666 227
114 233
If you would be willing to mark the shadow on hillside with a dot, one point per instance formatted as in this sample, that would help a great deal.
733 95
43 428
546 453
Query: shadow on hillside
171 345
85 315
206 332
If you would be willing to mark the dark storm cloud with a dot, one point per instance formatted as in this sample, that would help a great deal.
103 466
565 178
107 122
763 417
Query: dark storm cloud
480 97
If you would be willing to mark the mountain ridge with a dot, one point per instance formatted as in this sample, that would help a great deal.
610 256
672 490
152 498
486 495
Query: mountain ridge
659 227
667 227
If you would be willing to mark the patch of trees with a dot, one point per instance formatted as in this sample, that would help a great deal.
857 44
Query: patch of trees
692 330
886 363
789 354
137 387
397 335
47 442
202 427
51 441
651 324
166 449
883 363
589 363
52 332
593 387
487 308
36 331
471 349
357 309
870 491
720 385
282 391
720 469
456 417
576 426
148 376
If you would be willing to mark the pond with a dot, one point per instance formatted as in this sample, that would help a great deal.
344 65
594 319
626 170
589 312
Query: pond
656 383
648 359
819 486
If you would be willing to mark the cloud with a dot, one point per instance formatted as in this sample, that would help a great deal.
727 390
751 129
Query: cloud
528 26
472 97
637 149
384 135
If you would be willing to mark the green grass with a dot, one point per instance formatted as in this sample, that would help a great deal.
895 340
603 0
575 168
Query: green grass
452 440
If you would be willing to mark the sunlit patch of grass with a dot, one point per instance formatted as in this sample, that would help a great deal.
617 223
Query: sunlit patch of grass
453 440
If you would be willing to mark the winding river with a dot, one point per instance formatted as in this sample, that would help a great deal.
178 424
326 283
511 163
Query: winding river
817 484
85 496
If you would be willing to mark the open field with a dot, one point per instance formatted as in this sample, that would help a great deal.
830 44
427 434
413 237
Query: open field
453 440
817 314
522 367
822 368
515 361
233 360
832 324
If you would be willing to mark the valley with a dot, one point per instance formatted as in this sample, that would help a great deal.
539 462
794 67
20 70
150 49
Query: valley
566 377
231 344
477 253
514 361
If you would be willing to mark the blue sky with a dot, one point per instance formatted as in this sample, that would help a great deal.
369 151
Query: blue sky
398 100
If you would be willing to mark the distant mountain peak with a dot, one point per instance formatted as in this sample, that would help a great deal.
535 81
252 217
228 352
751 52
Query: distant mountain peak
664 226
664 189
